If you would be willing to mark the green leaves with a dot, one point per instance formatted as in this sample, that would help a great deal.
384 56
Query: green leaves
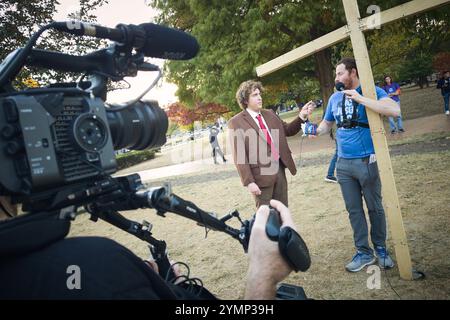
237 36
20 19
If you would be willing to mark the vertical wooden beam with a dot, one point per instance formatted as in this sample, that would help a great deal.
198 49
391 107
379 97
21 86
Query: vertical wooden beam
389 189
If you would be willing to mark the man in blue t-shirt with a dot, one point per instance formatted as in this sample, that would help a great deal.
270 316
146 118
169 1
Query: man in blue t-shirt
393 90
357 170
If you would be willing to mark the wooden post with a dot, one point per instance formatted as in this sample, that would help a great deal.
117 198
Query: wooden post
389 189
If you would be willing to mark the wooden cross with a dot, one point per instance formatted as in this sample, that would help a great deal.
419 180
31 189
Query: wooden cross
354 29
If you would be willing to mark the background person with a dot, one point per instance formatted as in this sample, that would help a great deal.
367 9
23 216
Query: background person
393 91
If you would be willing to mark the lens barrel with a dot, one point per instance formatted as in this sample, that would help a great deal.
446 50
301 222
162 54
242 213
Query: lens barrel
139 126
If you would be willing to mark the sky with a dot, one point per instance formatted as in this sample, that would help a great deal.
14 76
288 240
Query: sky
128 12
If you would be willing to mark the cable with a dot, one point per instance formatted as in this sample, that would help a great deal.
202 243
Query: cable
173 265
389 282
190 284
128 104
300 155
6 211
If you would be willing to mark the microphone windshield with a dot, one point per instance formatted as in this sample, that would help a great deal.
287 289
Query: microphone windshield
340 86
167 43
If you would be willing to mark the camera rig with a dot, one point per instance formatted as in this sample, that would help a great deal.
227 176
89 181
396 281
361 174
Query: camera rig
57 143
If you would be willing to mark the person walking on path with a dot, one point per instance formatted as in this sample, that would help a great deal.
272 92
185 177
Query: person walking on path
214 141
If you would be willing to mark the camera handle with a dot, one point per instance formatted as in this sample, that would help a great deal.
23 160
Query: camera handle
158 248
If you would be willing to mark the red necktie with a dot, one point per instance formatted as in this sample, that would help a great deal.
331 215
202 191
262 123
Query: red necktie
273 149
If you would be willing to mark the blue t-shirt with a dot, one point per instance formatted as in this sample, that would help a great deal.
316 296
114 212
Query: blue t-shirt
392 88
355 142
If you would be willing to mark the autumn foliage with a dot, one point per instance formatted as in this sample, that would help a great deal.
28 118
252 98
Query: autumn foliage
441 62
184 116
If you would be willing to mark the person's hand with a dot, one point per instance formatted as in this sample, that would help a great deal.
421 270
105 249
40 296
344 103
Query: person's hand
354 95
266 265
175 267
307 110
254 189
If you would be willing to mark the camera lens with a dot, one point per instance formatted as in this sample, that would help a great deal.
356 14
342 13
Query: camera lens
139 126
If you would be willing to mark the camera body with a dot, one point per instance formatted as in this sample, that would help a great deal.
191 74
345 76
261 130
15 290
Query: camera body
52 138
57 143
348 124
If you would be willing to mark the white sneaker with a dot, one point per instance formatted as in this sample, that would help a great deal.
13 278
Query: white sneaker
447 113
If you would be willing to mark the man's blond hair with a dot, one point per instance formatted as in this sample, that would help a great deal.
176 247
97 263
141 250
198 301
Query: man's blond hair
244 91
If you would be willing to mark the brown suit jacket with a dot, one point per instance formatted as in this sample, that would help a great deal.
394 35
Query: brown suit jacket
253 158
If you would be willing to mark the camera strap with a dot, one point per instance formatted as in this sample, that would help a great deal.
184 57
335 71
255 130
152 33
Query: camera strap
353 122
30 232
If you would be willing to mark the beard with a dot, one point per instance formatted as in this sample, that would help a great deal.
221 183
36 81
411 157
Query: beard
348 84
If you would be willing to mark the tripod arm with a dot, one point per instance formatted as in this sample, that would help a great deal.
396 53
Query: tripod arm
163 200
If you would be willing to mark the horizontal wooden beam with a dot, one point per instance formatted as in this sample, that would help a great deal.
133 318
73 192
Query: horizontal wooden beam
302 52
330 39
400 12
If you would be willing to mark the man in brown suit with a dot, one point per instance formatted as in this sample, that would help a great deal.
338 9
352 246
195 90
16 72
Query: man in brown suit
259 145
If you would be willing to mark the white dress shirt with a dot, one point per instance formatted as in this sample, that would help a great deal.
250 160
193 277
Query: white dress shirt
254 114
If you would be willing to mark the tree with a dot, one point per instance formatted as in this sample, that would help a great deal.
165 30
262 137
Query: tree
180 114
417 67
441 62
236 36
185 116
21 19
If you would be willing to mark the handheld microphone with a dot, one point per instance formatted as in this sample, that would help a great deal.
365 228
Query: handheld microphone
340 86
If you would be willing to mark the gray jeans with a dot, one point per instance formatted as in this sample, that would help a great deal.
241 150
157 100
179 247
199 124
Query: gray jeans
358 179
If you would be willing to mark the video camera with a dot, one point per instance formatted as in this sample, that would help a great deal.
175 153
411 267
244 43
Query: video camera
57 143
63 137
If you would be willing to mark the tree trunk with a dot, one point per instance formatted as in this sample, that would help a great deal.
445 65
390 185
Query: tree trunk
422 82
324 73
324 69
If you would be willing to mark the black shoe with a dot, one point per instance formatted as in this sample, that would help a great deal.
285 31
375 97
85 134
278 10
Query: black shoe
224 160
401 130
331 179
393 131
